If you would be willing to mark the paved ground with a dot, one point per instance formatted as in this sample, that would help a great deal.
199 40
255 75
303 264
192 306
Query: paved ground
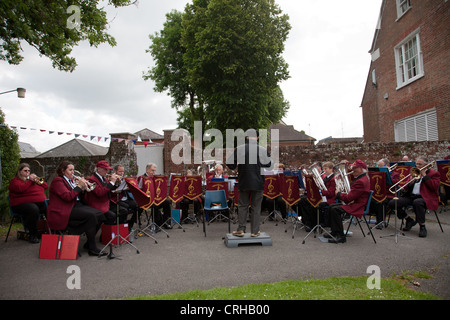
189 260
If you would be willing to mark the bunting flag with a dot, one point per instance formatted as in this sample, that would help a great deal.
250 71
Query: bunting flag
378 184
271 186
290 189
444 169
143 200
160 182
176 190
312 191
86 136
218 185
193 187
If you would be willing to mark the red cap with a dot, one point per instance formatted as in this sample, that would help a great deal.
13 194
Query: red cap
103 164
360 164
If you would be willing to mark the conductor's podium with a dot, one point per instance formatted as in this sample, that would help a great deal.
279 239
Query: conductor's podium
233 242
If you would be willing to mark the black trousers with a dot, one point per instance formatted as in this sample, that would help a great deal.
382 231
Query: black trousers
128 206
336 214
30 213
416 202
85 219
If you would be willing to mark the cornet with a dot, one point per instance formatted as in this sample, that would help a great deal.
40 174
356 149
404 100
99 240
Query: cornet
89 185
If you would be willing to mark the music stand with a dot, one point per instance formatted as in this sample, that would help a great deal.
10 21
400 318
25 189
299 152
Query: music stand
172 220
296 220
319 227
153 226
397 231
139 230
117 235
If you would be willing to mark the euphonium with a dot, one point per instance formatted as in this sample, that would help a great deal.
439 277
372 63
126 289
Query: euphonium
341 178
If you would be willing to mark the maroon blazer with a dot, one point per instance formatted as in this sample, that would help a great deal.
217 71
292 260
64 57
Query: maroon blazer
330 193
100 196
356 199
429 189
61 201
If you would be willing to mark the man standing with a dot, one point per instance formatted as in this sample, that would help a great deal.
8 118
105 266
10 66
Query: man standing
249 159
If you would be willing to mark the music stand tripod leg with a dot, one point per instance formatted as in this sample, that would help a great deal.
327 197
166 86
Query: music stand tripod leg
319 227
397 231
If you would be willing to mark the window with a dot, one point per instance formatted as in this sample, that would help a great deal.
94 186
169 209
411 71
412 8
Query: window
408 60
402 7
420 127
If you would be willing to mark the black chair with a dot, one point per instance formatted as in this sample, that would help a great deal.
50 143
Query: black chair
365 213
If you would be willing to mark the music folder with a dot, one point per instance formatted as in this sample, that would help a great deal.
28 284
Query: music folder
59 247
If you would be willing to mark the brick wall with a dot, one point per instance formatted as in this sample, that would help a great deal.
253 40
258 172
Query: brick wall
384 104
294 156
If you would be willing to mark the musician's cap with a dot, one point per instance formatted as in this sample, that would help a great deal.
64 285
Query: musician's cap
360 164
103 164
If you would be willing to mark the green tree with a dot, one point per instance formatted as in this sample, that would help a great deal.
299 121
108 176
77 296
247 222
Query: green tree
44 25
9 160
221 63
234 60
169 72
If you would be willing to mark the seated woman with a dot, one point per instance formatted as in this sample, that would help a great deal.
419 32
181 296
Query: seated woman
27 198
66 211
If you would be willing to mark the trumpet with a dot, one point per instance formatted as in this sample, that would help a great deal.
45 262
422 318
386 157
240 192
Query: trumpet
414 174
89 185
119 178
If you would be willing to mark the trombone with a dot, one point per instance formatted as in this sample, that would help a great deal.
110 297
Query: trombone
414 174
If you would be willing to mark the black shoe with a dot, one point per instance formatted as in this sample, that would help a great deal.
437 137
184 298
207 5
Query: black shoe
339 239
423 231
328 235
33 239
97 253
409 224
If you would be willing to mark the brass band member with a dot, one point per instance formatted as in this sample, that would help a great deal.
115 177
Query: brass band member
127 205
355 201
423 194
27 198
99 198
160 218
66 211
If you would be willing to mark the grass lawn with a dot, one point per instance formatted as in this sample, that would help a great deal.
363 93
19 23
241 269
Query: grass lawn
336 288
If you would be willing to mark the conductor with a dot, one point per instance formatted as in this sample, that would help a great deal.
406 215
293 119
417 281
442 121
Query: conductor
249 159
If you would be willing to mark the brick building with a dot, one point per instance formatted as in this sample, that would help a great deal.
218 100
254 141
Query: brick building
407 93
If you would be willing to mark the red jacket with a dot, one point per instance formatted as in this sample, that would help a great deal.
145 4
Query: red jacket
100 196
61 201
429 189
26 191
330 193
356 199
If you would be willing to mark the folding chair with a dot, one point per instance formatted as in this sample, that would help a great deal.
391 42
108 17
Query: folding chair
14 216
215 200
365 213
219 201
435 213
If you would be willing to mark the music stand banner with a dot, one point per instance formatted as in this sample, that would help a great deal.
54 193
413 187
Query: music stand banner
290 189
218 185
312 191
176 190
193 187
379 185
444 169
271 186
160 189
142 199
402 171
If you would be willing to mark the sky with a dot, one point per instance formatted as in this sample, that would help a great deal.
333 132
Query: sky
327 53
